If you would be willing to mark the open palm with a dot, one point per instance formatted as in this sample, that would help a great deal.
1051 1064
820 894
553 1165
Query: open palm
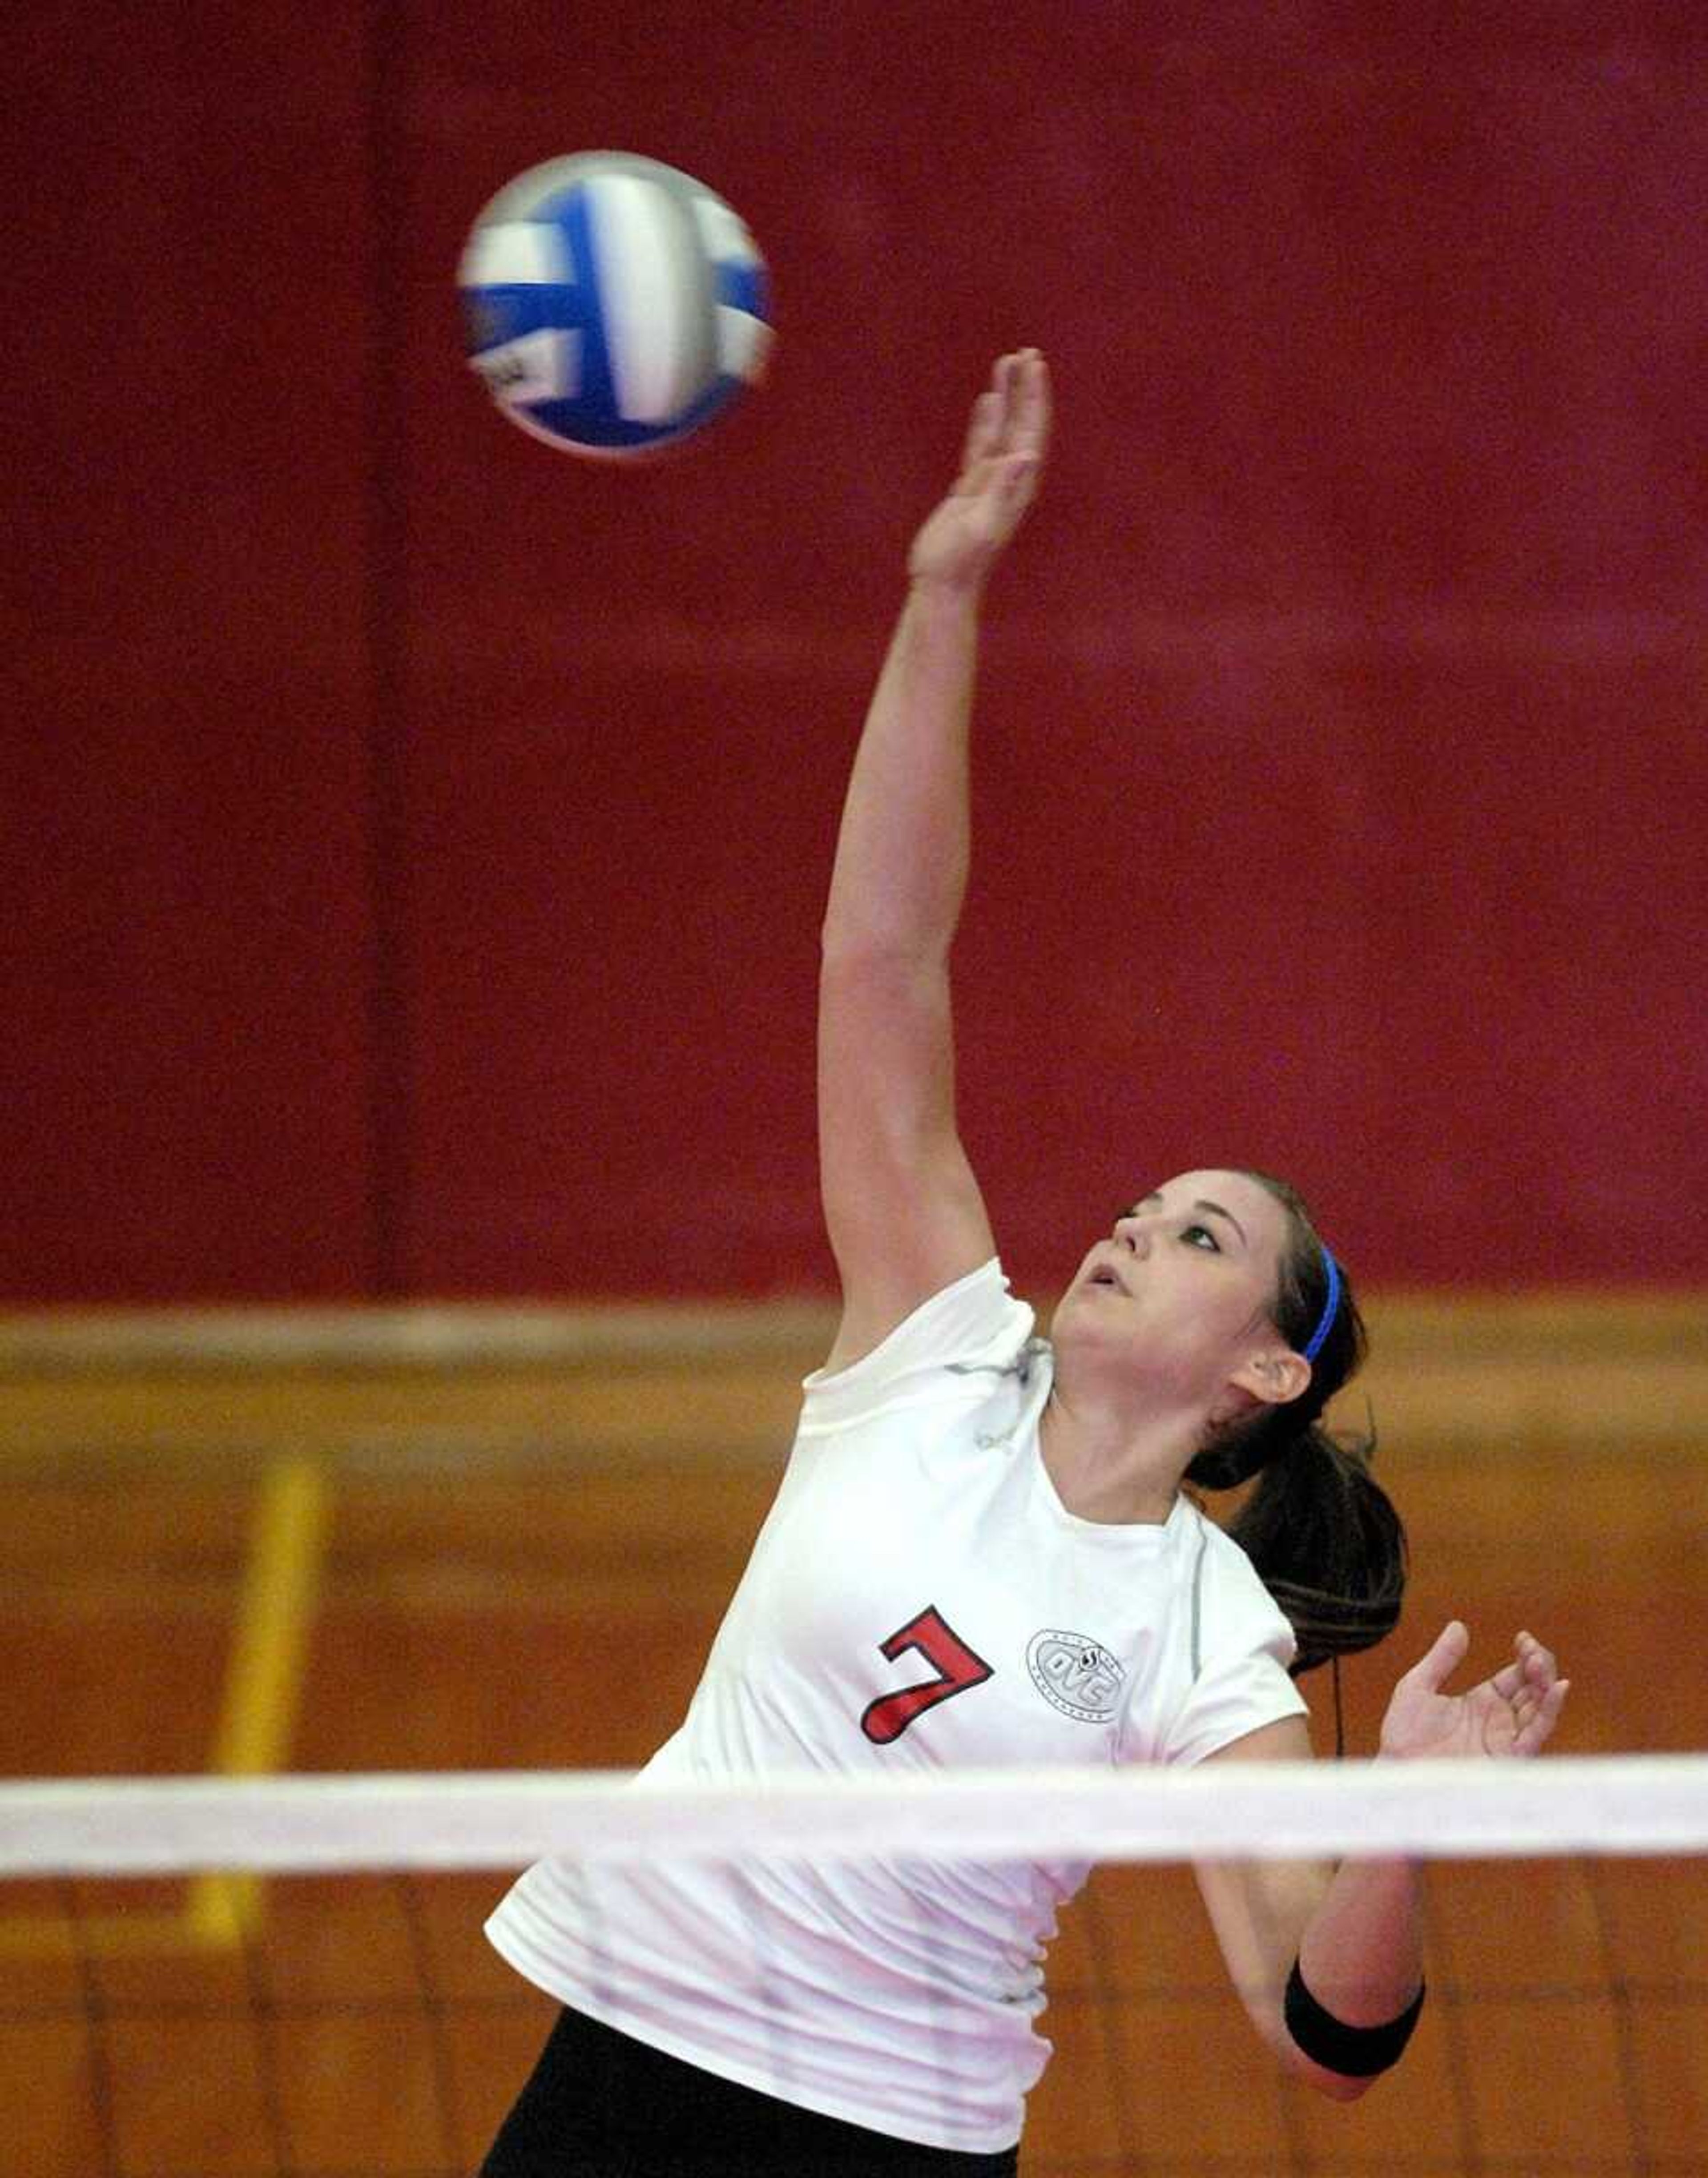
1006 446
1513 1713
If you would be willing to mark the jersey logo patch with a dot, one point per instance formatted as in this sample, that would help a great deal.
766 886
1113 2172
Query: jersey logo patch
1075 1674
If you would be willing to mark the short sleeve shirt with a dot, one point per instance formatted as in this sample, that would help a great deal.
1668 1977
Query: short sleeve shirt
919 1599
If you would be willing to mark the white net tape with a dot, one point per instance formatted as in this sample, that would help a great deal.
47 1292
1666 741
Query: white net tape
1614 1805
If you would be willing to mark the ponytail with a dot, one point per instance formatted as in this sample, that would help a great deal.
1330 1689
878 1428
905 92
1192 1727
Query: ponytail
1320 1530
1328 1545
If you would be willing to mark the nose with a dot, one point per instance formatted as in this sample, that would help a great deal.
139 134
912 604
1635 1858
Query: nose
1133 1234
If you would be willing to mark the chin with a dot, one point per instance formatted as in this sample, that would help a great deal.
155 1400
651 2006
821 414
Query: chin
1084 1318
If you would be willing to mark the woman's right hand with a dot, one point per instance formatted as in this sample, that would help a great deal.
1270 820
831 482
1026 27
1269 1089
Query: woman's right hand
1006 446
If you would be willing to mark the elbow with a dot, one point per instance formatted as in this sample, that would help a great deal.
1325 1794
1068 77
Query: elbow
1314 2042
1333 2087
1336 2086
877 958
846 947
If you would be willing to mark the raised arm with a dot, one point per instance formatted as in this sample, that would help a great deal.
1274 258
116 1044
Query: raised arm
901 1205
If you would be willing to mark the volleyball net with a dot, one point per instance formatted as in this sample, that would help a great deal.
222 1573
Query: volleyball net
288 1977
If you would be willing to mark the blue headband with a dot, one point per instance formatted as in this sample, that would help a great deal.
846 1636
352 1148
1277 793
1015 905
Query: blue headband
1329 1306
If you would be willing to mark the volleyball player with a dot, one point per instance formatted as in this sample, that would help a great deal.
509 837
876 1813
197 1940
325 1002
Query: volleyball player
983 1553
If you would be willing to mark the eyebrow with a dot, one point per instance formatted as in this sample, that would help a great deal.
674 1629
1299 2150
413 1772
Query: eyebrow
1214 1208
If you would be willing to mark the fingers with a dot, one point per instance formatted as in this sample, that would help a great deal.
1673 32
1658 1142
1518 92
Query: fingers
1531 1673
1537 1693
1024 378
1010 419
984 431
1032 408
1517 1708
1534 1692
997 479
1534 1735
1431 1672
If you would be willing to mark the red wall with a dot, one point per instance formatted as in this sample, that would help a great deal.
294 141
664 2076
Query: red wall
416 839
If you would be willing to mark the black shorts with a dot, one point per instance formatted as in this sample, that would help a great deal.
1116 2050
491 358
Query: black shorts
601 2105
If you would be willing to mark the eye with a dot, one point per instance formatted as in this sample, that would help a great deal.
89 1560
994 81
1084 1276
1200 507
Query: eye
1199 1236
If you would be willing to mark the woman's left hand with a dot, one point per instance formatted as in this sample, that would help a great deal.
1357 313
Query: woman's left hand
1513 1713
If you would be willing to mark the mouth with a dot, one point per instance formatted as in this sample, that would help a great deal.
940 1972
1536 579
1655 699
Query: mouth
1104 1275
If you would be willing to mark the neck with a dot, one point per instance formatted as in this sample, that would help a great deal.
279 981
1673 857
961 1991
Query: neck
1108 1467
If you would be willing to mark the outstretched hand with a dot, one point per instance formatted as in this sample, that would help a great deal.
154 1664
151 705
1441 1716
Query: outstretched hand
1006 442
1513 1713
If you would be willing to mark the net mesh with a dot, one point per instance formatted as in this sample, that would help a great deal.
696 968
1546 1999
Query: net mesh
252 2021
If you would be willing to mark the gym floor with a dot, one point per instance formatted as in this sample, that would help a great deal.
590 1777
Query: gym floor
505 1541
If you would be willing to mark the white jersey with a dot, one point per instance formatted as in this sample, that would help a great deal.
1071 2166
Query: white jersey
918 1599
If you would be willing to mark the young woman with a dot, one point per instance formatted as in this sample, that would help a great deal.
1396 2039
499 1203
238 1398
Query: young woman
982 1553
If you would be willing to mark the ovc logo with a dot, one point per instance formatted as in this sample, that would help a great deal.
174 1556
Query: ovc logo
1076 1675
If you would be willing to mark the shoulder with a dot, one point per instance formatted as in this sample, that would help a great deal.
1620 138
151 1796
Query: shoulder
1241 1646
964 1336
1237 1611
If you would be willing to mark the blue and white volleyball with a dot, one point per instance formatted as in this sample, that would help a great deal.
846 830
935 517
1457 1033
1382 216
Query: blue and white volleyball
612 305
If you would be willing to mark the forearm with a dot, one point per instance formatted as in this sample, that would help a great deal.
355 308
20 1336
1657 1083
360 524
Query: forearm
1361 1953
902 852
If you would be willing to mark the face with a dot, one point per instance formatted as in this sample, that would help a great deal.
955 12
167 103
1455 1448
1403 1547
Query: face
1180 1293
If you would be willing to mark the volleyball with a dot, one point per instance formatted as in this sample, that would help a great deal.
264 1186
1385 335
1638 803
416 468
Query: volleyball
613 305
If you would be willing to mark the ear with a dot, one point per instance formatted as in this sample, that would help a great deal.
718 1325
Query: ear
1272 1375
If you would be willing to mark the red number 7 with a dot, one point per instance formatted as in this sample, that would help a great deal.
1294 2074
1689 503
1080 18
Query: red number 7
957 1667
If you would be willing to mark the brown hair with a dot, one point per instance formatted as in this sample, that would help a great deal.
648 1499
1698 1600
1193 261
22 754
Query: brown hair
1321 1530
